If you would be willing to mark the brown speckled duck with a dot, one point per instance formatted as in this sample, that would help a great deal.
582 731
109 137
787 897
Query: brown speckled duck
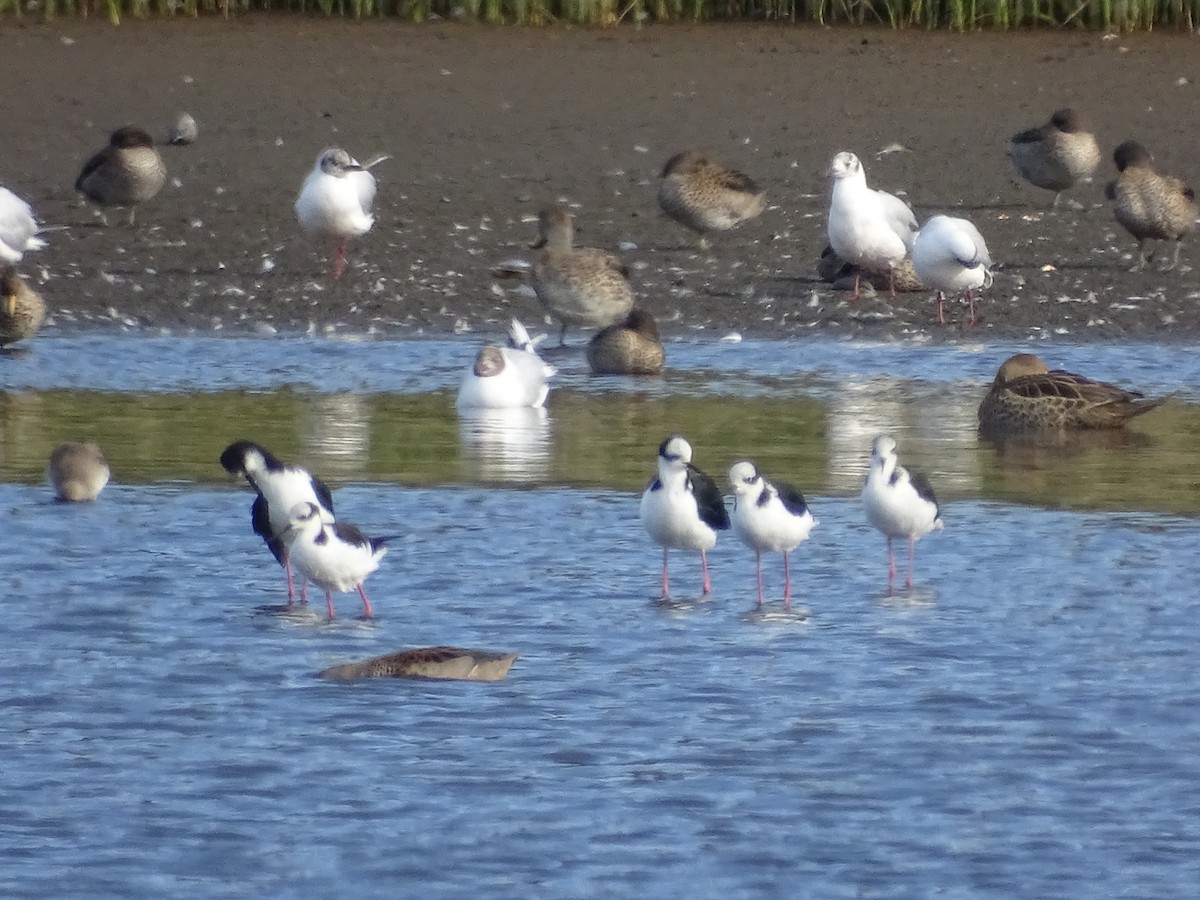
577 285
629 347
1027 396
127 172
1057 155
841 274
22 311
454 663
1148 205
704 196
77 471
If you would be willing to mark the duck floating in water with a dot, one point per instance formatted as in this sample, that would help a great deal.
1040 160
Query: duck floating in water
1148 205
1057 155
1027 396
77 471
629 347
126 173
706 197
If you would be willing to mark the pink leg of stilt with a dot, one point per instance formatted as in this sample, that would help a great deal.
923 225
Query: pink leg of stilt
704 569
304 592
912 555
891 564
339 263
287 567
787 582
971 303
329 605
857 277
758 572
666 581
892 283
367 614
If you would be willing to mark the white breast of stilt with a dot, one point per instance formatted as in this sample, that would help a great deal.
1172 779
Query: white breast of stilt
671 516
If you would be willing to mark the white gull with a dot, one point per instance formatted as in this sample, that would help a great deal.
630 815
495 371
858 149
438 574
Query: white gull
871 229
951 257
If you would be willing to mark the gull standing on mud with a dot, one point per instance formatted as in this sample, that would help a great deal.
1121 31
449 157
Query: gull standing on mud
950 256
127 172
899 503
577 285
335 555
335 200
629 347
280 488
682 508
1027 396
1058 155
1148 205
507 377
867 228
77 471
18 228
704 196
768 518
22 310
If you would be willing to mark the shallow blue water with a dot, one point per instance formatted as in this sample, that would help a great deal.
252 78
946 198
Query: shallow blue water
359 364
1021 724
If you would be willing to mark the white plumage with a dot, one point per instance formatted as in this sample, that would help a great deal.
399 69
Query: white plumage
951 257
868 228
336 555
682 508
899 503
507 377
335 200
18 228
768 518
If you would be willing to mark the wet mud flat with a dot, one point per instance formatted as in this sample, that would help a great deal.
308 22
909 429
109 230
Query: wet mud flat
486 125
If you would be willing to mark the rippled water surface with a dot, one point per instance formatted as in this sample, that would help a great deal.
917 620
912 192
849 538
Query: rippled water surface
1022 723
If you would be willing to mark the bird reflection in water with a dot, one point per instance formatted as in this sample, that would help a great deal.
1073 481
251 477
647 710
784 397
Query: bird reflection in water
506 444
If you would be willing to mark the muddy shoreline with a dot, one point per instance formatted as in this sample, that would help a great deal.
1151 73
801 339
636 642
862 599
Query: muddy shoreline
485 125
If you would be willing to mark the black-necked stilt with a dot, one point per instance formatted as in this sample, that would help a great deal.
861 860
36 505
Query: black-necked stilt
127 172
335 200
337 556
280 487
899 503
77 471
682 508
768 518
507 377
